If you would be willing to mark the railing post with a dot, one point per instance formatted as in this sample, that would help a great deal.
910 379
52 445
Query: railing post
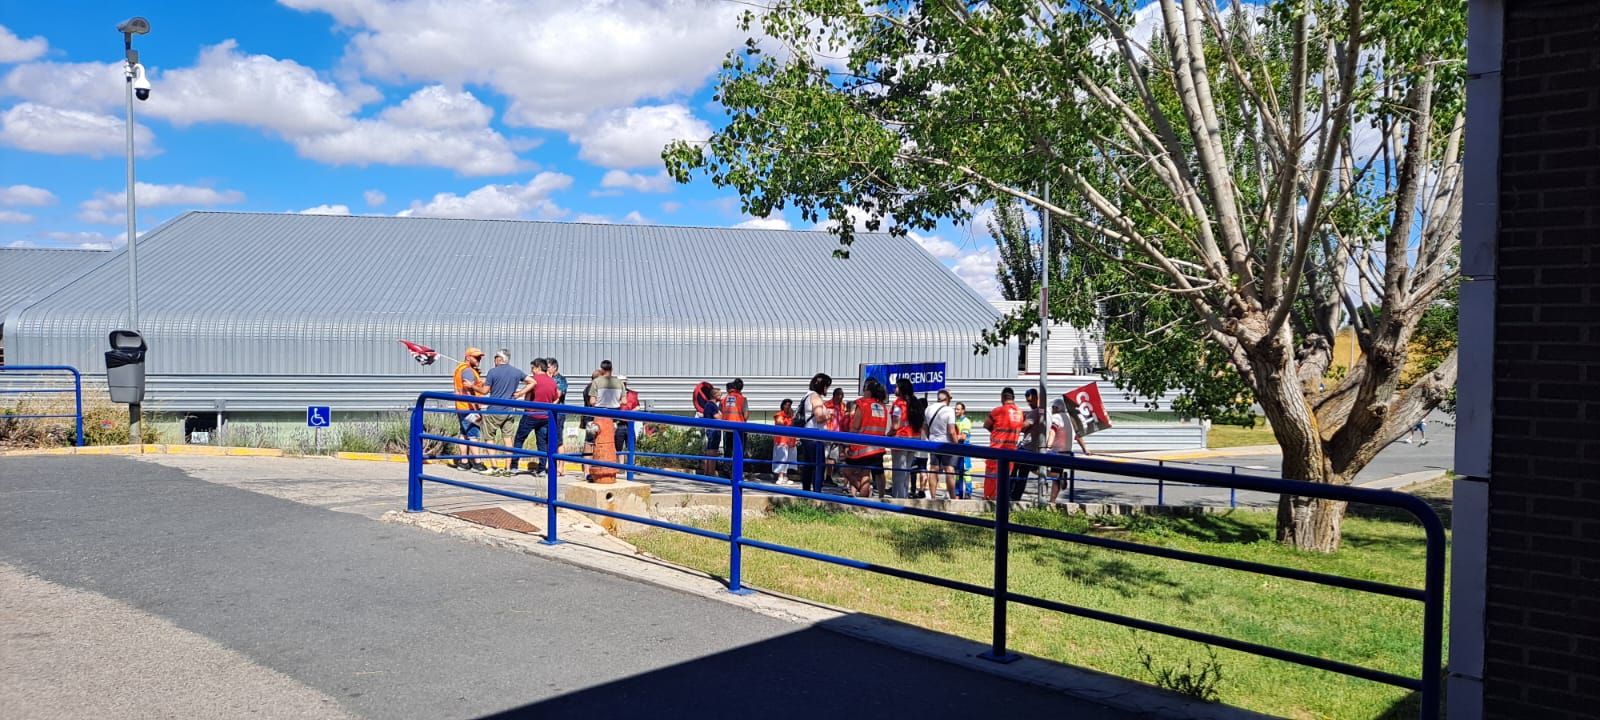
736 513
1002 551
552 443
1432 618
1161 492
414 462
77 399
630 425
1233 492
1072 485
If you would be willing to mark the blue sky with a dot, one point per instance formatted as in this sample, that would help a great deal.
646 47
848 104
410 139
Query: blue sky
538 109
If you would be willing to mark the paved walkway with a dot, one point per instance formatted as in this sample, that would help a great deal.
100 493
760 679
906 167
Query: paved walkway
191 598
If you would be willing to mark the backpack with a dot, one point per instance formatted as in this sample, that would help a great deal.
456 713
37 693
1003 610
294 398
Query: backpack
917 413
802 412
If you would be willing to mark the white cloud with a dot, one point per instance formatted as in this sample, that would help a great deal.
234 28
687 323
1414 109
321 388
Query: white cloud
22 244
557 61
375 198
25 196
670 207
73 86
658 182
438 107
225 85
109 208
766 223
89 240
12 217
93 240
593 219
634 217
936 246
499 201
977 270
633 137
14 49
327 210
433 127
43 129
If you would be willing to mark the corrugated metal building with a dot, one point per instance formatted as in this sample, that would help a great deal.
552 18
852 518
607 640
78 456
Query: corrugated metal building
1073 350
26 272
276 311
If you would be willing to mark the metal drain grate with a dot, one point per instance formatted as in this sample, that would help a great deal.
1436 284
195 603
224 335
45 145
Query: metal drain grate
499 519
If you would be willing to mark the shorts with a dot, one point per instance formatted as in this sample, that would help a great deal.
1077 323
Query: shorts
469 429
833 453
868 461
942 460
713 440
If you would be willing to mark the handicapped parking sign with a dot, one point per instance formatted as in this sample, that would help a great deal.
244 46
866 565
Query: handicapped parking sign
318 416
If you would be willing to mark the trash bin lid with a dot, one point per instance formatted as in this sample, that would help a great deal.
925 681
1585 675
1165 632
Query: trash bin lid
126 340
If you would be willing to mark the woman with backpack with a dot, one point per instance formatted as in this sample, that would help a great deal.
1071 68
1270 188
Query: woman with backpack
813 413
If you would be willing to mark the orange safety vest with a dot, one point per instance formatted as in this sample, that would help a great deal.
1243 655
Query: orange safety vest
783 419
1007 430
874 421
462 388
734 408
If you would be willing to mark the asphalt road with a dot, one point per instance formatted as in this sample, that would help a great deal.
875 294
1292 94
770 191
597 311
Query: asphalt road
286 609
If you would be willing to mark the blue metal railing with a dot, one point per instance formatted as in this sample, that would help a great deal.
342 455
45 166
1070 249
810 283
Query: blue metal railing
8 372
1431 595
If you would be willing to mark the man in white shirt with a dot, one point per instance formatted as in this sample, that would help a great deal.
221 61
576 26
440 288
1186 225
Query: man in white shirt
940 426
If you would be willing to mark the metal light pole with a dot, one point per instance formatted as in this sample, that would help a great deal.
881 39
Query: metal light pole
133 74
1044 308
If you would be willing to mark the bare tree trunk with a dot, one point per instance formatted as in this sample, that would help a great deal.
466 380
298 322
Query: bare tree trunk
1303 523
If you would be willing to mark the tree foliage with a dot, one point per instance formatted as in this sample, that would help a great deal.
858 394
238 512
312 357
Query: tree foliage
1237 180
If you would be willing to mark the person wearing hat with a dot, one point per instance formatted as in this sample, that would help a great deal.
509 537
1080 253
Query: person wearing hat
468 381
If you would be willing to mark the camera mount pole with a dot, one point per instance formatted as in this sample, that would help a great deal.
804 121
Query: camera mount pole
131 61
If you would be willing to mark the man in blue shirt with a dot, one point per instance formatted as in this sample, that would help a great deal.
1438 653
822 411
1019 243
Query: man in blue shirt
504 379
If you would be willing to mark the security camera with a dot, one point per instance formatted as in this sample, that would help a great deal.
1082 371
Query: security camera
134 26
141 84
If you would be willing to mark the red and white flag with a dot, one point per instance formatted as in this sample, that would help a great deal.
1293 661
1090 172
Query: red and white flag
1088 413
423 354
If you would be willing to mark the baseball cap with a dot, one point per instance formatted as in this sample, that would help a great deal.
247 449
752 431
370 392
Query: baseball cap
474 352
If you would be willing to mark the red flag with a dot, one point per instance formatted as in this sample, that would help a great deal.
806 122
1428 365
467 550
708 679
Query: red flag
1087 411
423 354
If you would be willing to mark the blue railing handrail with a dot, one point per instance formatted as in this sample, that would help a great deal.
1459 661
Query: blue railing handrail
1431 594
77 393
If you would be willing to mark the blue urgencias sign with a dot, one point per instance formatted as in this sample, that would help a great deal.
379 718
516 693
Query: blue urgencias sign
925 377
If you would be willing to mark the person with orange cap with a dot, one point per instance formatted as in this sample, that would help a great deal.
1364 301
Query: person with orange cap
468 381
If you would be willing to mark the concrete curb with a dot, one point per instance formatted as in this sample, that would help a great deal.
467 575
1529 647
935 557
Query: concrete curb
1241 451
1109 690
194 450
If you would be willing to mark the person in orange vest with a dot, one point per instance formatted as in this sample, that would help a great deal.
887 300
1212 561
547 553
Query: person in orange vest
783 447
870 417
468 381
733 408
1005 431
840 422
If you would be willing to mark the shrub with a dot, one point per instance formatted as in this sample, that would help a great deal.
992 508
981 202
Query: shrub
670 440
1199 683
104 423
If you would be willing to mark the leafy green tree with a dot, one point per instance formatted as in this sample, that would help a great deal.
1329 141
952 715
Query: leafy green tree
1239 180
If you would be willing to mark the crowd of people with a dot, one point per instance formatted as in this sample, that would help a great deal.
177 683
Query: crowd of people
855 467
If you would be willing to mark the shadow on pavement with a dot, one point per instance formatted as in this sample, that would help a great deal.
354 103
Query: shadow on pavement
812 673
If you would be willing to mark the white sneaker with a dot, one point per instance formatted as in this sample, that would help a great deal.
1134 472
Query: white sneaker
1406 440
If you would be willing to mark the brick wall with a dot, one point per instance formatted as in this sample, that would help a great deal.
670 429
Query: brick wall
1542 640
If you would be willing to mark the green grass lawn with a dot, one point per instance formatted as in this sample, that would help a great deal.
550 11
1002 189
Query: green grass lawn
1226 436
1369 630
